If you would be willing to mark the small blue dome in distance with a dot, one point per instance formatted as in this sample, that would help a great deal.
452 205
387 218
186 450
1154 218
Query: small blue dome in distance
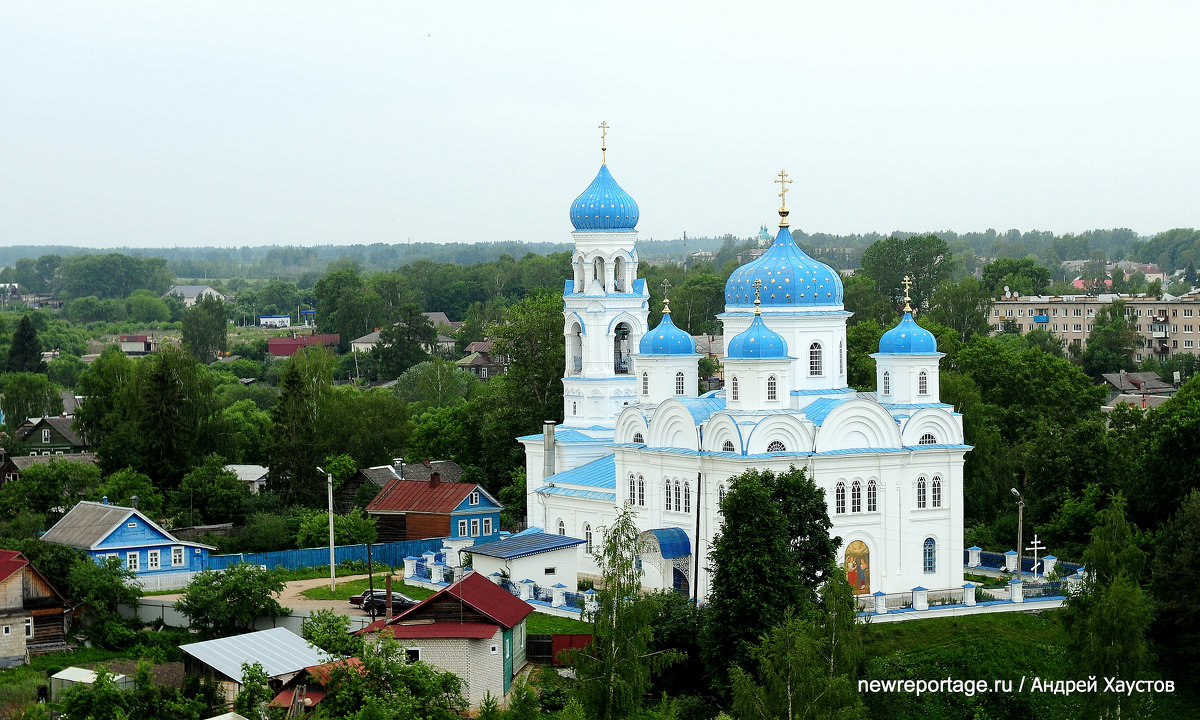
788 276
667 339
757 341
604 206
908 338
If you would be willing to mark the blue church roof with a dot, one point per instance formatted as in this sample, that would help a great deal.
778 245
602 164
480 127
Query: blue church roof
601 472
788 275
516 546
604 206
673 542
757 341
908 338
667 339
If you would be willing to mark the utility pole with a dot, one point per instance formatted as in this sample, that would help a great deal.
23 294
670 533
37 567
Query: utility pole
1020 528
332 564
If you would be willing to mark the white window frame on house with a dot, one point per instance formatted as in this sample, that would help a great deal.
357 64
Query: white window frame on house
936 491
562 527
45 435
839 503
154 559
887 383
772 388
816 365
412 654
856 497
920 493
177 557
462 528
28 627
923 383
8 629
679 383
474 498
733 387
133 561
474 527
487 526
641 496
872 496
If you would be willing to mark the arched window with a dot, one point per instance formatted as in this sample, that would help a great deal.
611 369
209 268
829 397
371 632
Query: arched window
855 497
641 491
923 383
562 527
727 447
872 496
733 387
927 439
937 491
637 438
645 383
587 538
929 555
667 484
632 489
687 497
574 408
839 495
720 494
678 383
920 493
772 388
677 494
887 383
776 446
814 360
841 357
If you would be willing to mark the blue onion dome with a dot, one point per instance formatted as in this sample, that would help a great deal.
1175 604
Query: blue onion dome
908 338
667 339
788 276
757 341
604 206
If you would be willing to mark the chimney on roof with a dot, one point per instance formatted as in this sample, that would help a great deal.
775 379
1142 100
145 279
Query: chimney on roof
133 501
104 499
548 449
435 478
426 462
398 466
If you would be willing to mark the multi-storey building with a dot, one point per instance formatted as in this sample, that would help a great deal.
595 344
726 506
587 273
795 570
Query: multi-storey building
1166 326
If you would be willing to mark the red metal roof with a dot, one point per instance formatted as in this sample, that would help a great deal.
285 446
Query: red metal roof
284 698
478 631
420 496
10 562
477 592
289 346
323 672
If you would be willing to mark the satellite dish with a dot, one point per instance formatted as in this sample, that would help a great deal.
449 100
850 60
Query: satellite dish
1006 292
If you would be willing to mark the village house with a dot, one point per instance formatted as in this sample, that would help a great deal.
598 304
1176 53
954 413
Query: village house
417 509
33 615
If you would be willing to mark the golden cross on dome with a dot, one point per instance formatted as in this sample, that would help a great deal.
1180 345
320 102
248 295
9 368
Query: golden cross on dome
757 296
603 142
783 208
666 285
907 300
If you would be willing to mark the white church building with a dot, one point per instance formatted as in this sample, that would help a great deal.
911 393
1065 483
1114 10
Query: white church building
637 431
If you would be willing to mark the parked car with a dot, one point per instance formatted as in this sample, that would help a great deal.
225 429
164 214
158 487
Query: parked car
378 603
357 600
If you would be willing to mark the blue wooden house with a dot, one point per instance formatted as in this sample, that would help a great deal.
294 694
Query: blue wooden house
106 531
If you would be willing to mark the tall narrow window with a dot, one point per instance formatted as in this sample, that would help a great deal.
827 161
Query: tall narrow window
772 388
923 383
727 447
887 383
678 383
632 489
678 505
587 538
872 496
562 528
841 357
814 360
720 494
937 491
855 497
641 491
920 493
687 497
733 387
667 486
929 555
839 494
645 383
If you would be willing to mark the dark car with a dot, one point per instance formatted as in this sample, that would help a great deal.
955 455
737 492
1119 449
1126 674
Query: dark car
357 600
378 603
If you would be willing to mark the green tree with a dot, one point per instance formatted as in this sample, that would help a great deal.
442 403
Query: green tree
126 484
101 700
295 450
172 410
144 306
386 686
1173 576
962 306
1111 342
531 337
47 487
616 669
28 395
925 259
773 548
99 586
1107 621
353 528
245 433
806 665
436 383
226 602
862 339
211 494
205 328
65 371
25 350
331 632
1023 275
252 699
403 344
862 297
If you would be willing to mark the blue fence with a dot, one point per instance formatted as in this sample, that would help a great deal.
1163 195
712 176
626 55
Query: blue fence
996 561
385 553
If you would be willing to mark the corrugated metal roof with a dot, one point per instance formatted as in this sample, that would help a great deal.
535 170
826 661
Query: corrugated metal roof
572 492
478 631
479 593
702 408
525 545
10 562
24 461
279 650
672 542
416 496
86 524
601 472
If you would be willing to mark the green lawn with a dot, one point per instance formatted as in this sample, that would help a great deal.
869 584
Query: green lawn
18 686
540 624
346 588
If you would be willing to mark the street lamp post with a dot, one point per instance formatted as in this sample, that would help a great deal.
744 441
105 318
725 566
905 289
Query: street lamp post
1020 528
332 572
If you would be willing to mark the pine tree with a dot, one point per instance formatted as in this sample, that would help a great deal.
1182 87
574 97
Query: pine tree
25 352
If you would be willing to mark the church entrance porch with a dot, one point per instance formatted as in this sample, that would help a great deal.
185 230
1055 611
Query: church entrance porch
666 558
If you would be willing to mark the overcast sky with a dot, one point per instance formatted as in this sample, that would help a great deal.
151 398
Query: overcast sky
233 123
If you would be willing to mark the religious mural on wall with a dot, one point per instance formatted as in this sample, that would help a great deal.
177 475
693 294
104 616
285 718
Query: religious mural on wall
858 567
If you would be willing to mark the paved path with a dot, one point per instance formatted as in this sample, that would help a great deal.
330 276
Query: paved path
291 597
